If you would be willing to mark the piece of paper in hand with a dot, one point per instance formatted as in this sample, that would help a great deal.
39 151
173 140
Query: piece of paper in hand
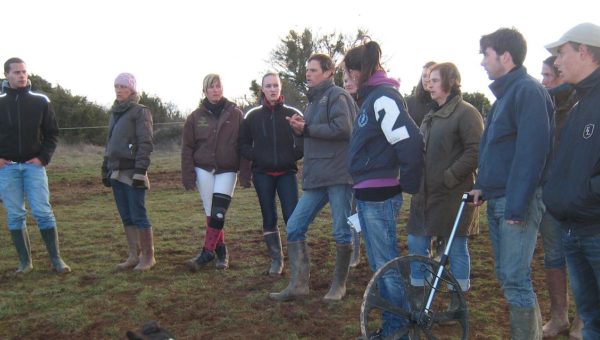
354 222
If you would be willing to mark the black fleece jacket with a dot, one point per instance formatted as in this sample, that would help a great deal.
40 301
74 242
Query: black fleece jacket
267 140
28 126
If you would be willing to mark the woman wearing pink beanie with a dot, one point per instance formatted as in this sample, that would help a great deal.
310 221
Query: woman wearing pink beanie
126 161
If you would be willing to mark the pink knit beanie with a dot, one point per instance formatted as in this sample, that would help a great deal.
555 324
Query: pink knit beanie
127 80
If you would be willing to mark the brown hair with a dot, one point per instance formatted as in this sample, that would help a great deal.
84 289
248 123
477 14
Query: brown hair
449 75
364 58
12 61
324 60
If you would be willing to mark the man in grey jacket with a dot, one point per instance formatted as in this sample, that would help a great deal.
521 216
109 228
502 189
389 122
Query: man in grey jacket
326 127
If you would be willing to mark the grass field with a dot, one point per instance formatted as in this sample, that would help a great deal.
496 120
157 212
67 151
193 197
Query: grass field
95 302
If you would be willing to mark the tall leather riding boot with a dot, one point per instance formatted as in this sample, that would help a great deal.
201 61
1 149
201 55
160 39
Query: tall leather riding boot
273 241
20 239
556 280
147 259
133 259
355 259
50 237
300 268
340 273
524 323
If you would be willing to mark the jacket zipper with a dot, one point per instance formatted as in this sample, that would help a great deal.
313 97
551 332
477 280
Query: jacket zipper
275 163
19 124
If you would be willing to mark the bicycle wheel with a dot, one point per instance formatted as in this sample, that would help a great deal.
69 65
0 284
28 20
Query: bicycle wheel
446 318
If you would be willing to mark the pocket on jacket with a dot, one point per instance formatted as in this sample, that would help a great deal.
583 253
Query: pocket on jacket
449 180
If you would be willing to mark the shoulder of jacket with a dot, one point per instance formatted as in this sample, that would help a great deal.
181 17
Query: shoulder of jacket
254 109
39 95
292 110
232 107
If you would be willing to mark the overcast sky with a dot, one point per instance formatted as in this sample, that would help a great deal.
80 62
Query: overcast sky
171 45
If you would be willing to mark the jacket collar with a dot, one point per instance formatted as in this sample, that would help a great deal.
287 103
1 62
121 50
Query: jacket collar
445 111
274 107
501 85
449 107
364 91
585 86
9 90
317 91
119 108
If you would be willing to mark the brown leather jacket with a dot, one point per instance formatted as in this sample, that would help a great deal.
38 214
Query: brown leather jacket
210 143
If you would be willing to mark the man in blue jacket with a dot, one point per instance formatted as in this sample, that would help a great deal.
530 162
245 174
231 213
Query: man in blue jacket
513 152
28 136
572 191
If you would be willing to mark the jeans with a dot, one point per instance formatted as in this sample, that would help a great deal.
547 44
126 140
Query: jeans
378 223
312 201
286 188
460 260
583 264
20 180
552 234
131 204
513 246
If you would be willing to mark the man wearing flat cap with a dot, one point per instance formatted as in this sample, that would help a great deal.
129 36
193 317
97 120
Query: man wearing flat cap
572 192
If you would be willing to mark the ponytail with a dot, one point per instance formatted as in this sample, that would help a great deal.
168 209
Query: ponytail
370 61
365 58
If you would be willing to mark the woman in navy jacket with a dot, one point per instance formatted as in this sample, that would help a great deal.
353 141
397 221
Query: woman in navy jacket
385 158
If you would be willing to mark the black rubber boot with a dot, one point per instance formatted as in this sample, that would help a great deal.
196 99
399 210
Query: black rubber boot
273 241
50 237
222 257
204 258
20 239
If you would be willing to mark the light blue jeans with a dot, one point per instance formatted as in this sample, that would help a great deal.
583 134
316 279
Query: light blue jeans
552 235
20 180
378 223
309 205
583 264
513 246
460 261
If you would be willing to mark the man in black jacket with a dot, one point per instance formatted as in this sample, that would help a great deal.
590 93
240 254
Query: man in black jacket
572 192
28 136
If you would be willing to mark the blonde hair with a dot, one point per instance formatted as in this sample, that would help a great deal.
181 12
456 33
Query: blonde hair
209 80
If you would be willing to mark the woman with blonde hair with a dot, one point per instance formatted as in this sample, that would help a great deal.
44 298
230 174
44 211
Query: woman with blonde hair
209 162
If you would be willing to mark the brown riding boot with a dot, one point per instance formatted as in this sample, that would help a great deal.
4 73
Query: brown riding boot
133 259
556 280
147 260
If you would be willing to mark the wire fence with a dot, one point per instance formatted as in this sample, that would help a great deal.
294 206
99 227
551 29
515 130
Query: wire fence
106 126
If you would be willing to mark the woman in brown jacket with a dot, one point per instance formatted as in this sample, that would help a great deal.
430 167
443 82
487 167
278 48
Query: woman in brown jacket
209 161
452 130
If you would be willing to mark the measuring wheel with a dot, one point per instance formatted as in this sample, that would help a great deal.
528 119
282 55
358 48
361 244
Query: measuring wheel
426 313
